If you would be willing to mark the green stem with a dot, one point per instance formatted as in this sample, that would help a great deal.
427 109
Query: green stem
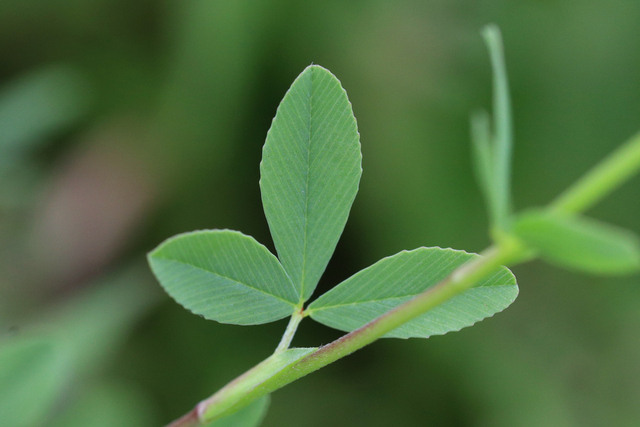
610 173
461 279
292 327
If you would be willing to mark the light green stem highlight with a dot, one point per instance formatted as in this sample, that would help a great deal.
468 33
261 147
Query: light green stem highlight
609 174
249 386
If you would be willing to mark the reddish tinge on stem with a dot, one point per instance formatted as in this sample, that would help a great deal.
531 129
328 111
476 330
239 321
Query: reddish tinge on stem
190 419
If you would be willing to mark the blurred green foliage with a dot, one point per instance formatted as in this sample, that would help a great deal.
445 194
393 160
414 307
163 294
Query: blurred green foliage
156 125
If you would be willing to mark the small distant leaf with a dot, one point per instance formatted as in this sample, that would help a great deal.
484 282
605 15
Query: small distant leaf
254 384
108 404
396 279
33 374
39 104
481 142
225 276
89 327
311 167
492 150
579 243
74 341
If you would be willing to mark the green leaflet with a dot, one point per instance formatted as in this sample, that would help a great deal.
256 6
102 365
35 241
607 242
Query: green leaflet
254 384
224 275
33 374
396 279
310 171
579 243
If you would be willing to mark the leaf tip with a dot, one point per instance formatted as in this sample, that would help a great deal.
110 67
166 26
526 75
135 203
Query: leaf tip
491 33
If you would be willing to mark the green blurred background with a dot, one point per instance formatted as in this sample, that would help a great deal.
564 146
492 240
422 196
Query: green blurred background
123 123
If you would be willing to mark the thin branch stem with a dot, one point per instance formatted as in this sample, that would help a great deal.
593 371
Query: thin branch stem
292 327
609 174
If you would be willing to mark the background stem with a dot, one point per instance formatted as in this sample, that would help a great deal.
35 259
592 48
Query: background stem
609 174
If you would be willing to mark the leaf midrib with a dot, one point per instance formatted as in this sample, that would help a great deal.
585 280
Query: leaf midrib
306 191
226 277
